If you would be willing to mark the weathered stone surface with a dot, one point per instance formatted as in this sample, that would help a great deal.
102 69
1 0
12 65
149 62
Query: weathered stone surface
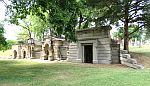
126 56
104 55
104 51
135 66
127 60
103 45
99 39
104 61
115 53
124 52
132 61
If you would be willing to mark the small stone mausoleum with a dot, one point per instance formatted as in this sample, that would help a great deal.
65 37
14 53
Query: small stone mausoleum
94 46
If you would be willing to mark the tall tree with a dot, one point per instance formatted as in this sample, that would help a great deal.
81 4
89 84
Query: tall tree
120 33
2 38
129 12
62 14
38 27
33 27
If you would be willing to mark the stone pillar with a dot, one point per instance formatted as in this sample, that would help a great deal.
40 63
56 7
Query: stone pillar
95 59
80 57
19 52
45 50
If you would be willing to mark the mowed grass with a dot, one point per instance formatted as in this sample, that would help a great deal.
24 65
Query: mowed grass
29 73
144 50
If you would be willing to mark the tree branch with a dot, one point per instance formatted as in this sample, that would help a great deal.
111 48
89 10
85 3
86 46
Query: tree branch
136 30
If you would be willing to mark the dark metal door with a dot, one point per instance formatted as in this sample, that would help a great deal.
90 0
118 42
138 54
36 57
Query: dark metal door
88 53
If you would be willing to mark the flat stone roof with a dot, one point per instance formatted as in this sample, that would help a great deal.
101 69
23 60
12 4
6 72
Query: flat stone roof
95 28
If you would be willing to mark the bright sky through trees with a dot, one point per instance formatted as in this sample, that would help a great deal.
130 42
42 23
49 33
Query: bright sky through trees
11 31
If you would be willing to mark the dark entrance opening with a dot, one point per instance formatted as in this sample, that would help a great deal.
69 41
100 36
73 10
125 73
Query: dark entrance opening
88 54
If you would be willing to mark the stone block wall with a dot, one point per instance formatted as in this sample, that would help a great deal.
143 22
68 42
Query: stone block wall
126 59
104 50
115 52
72 52
99 38
64 50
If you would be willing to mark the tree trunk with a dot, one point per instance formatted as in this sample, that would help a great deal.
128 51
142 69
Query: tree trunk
126 33
29 33
126 36
81 20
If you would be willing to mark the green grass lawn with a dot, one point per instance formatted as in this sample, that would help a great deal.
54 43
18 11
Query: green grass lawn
144 50
29 73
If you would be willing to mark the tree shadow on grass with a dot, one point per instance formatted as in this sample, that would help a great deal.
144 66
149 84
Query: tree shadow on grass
28 72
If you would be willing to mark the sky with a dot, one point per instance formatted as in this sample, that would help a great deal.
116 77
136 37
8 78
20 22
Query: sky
11 31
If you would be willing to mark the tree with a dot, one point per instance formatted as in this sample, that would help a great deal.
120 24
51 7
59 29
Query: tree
129 12
22 36
62 14
2 38
38 27
137 34
32 26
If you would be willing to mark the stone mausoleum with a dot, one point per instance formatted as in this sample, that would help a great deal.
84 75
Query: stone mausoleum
94 46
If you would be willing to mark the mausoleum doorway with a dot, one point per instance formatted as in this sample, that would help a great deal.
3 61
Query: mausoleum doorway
88 53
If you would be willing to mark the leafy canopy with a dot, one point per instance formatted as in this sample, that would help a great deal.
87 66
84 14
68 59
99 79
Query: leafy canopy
62 15
2 38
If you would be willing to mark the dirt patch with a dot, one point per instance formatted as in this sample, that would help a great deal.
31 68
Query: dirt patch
141 59
101 65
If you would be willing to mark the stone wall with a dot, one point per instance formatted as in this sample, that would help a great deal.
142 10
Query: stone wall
37 54
104 50
99 38
60 48
73 52
126 59
63 50
115 52
57 44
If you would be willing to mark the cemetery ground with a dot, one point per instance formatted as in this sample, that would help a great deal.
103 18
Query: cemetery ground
32 73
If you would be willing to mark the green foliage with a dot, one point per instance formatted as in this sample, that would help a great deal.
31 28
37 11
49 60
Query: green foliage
22 36
38 26
8 45
61 15
2 38
129 12
137 34
33 26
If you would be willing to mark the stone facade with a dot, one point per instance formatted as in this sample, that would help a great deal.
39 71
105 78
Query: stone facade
59 47
126 59
94 45
98 41
25 50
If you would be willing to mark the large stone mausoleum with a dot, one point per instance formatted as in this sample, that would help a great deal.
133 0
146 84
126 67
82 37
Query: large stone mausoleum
94 46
